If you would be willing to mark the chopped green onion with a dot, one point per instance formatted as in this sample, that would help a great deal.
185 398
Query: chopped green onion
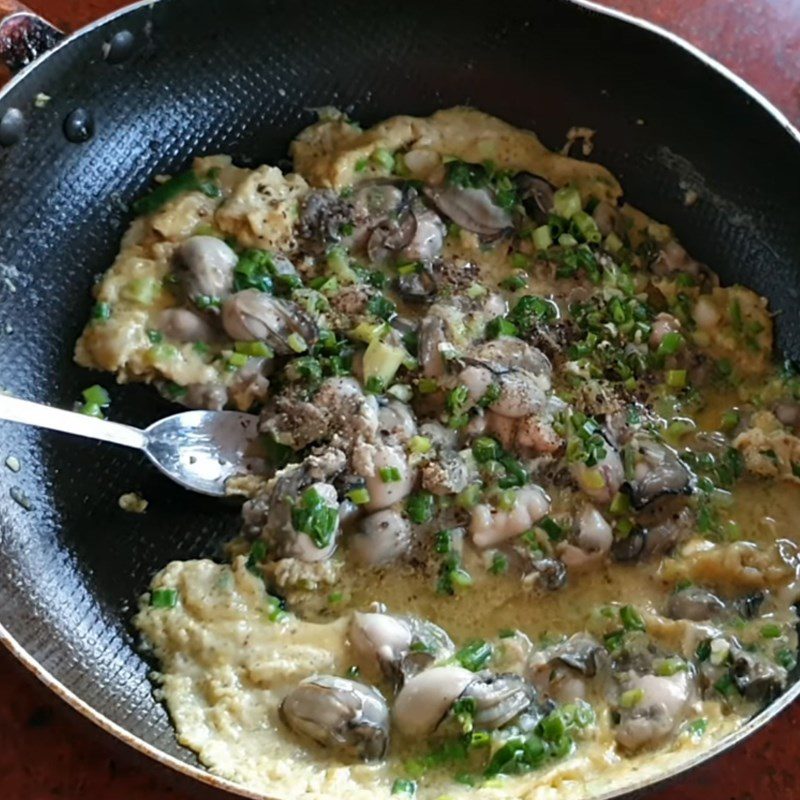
730 420
421 507
516 474
306 368
174 391
620 505
541 237
382 307
164 598
671 666
456 399
585 225
670 344
188 181
697 727
382 360
205 301
368 331
296 342
359 496
101 312
460 578
91 410
275 612
475 655
419 444
428 385
736 316
677 429
374 385
475 290
480 739
786 658
624 526
593 479
141 290
97 395
400 166
416 767
514 282
328 286
389 474
255 349
676 378
631 698
554 531
567 202
631 619
553 726
490 396
613 641
410 269
499 565
703 650
500 326
507 500
520 261
612 243
567 240
383 158
314 517
161 352
207 230
485 449
339 265
237 360
258 553
469 497
725 686
771 631
403 786
530 310
443 542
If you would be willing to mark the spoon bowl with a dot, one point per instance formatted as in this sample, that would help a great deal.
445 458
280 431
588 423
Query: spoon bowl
200 450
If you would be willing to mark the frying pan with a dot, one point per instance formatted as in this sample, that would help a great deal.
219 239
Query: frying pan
241 77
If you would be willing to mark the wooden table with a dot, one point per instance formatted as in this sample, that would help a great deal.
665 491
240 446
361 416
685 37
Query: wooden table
46 752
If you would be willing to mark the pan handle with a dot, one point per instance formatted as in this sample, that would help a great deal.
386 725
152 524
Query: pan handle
24 35
14 409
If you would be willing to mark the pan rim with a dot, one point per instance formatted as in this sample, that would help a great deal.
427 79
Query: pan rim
204 775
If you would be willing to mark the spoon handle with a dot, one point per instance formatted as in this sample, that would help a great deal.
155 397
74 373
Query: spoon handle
57 419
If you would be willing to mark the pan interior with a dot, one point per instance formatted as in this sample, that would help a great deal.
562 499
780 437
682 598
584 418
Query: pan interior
74 563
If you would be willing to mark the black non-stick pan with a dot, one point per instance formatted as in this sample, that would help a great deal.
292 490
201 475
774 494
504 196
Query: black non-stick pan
242 77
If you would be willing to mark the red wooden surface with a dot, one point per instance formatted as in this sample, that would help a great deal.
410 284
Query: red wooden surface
46 752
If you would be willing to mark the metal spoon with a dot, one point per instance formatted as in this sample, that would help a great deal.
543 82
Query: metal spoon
199 450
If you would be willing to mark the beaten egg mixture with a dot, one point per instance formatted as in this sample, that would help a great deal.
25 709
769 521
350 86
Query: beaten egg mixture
528 530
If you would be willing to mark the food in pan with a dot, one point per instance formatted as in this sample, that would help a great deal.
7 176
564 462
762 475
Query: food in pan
528 527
